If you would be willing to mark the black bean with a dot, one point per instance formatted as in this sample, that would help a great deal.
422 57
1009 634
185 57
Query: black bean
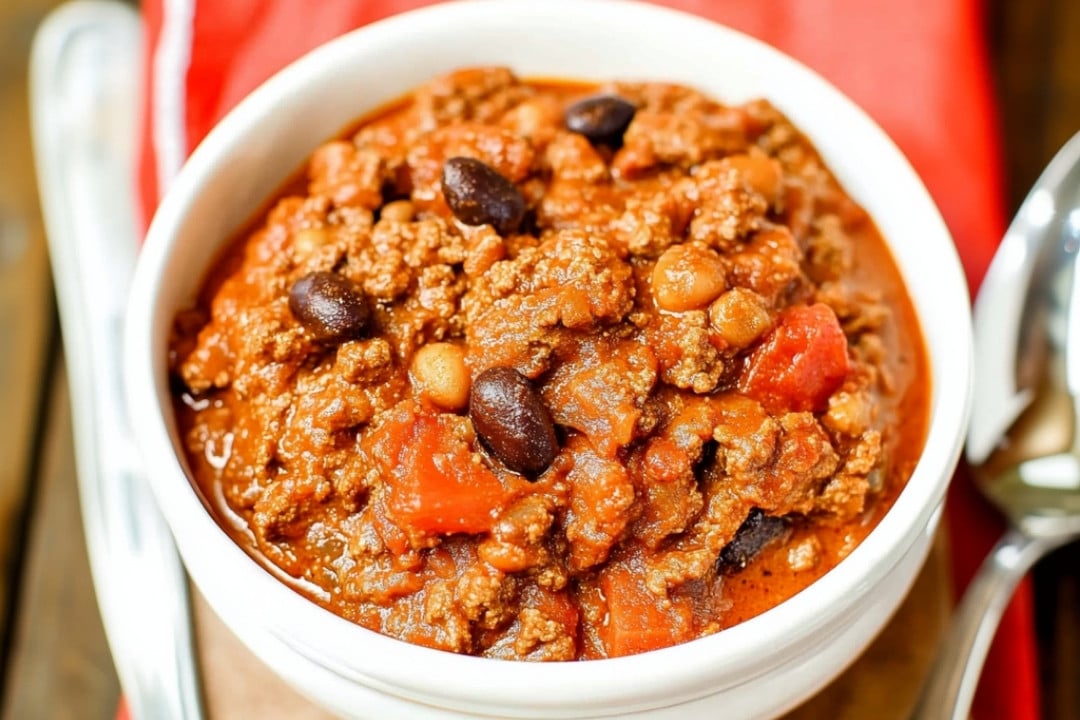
512 422
331 307
479 195
602 119
757 531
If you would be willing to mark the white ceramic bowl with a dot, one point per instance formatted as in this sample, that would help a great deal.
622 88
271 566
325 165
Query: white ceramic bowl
757 669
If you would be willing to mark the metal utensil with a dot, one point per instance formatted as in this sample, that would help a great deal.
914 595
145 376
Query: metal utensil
84 81
1024 439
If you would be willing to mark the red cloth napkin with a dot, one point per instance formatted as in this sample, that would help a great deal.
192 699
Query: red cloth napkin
922 73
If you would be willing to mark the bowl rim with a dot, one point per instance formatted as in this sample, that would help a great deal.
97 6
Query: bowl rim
688 670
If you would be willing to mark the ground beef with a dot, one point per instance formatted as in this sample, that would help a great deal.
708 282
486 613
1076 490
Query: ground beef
695 331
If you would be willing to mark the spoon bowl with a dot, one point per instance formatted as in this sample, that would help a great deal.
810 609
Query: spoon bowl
1024 439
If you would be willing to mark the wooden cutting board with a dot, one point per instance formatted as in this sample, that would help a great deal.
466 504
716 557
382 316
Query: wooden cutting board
882 684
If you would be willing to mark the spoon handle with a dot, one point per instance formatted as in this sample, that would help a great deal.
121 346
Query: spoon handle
951 685
84 88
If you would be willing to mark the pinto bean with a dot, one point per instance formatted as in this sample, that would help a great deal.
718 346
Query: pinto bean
309 240
740 317
760 172
688 277
439 374
398 211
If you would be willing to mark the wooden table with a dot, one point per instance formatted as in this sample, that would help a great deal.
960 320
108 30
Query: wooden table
56 662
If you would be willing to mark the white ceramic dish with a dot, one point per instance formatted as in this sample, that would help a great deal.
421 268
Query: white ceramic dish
757 669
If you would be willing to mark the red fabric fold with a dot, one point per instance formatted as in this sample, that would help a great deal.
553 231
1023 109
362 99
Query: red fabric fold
921 72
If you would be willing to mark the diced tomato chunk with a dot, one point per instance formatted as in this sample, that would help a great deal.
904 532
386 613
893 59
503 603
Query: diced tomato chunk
800 363
434 484
637 619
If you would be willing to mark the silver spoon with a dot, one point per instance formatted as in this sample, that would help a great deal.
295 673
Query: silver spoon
1024 440
84 81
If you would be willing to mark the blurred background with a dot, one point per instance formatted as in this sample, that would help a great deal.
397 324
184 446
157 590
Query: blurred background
53 656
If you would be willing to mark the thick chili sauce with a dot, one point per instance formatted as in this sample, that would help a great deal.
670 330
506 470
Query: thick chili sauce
550 371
